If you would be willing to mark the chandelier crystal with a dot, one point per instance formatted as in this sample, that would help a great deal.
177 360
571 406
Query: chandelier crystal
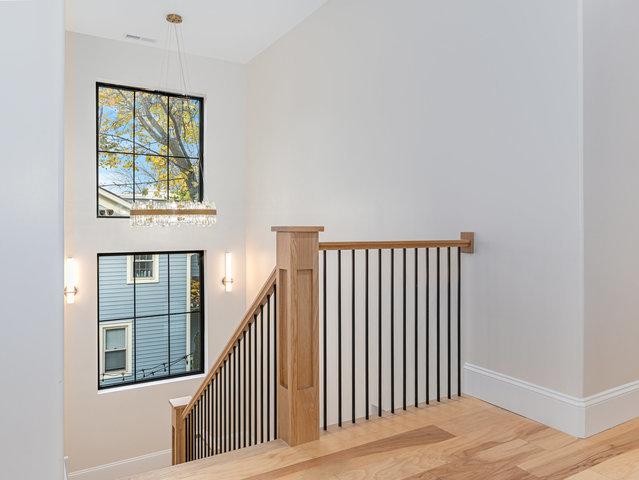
151 213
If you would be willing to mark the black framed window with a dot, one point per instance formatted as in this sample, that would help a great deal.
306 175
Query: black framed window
149 330
149 147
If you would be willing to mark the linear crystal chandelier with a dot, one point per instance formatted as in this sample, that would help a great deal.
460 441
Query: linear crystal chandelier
151 213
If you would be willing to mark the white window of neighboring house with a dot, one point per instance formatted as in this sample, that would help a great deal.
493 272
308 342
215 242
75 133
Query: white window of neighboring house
116 351
143 268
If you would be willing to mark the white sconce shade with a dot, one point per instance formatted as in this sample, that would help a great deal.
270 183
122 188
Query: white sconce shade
228 272
71 280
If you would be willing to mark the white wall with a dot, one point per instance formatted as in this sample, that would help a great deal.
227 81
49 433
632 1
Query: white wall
424 119
31 243
611 193
102 428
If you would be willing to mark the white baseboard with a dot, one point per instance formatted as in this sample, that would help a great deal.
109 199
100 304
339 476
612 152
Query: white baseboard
612 407
122 468
579 417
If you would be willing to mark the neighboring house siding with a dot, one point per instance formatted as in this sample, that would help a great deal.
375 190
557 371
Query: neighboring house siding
151 334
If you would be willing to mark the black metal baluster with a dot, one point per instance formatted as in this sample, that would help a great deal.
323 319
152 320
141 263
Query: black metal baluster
404 328
392 329
196 423
379 332
238 397
255 378
275 371
427 326
192 437
226 406
324 314
367 402
207 419
438 336
187 427
234 433
416 333
227 369
261 373
353 336
449 324
459 321
339 338
244 388
231 402
268 368
214 414
250 437
199 429
194 433
203 424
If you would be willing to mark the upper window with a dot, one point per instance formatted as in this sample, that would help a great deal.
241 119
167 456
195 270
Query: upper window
149 147
150 316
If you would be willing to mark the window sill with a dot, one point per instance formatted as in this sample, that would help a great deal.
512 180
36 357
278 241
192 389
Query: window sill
135 386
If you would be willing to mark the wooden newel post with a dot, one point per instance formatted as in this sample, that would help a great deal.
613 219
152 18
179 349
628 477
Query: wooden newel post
178 433
298 333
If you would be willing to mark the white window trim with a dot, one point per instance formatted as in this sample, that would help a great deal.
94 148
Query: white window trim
128 326
156 271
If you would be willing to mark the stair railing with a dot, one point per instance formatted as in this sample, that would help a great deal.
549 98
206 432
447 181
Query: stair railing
235 406
266 382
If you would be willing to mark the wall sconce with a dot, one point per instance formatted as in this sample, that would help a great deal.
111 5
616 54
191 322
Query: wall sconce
228 272
71 281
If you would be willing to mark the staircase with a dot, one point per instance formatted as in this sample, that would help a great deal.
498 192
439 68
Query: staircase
340 333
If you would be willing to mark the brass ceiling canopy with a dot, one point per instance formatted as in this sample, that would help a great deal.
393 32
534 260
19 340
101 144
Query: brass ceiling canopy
174 18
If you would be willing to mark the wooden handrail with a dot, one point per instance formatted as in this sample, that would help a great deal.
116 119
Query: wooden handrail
466 243
265 291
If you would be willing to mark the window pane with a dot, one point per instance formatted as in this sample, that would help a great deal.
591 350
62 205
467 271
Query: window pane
115 293
115 184
164 344
179 342
195 357
115 360
152 298
150 178
196 287
115 339
184 133
184 180
185 282
115 119
152 359
149 148
151 126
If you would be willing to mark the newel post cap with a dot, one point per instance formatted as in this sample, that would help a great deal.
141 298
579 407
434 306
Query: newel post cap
298 229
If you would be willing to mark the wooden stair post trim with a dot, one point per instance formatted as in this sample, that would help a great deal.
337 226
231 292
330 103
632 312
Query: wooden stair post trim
178 430
469 237
298 333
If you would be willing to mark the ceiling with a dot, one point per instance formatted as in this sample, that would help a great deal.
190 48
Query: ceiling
234 30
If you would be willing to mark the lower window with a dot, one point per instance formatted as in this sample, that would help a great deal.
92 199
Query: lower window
150 316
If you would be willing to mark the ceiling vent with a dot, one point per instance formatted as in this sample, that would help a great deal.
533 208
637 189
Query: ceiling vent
139 38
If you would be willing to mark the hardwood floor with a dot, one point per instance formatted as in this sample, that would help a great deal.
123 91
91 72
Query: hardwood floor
462 439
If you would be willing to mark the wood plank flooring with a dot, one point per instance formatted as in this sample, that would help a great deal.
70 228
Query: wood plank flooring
463 439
